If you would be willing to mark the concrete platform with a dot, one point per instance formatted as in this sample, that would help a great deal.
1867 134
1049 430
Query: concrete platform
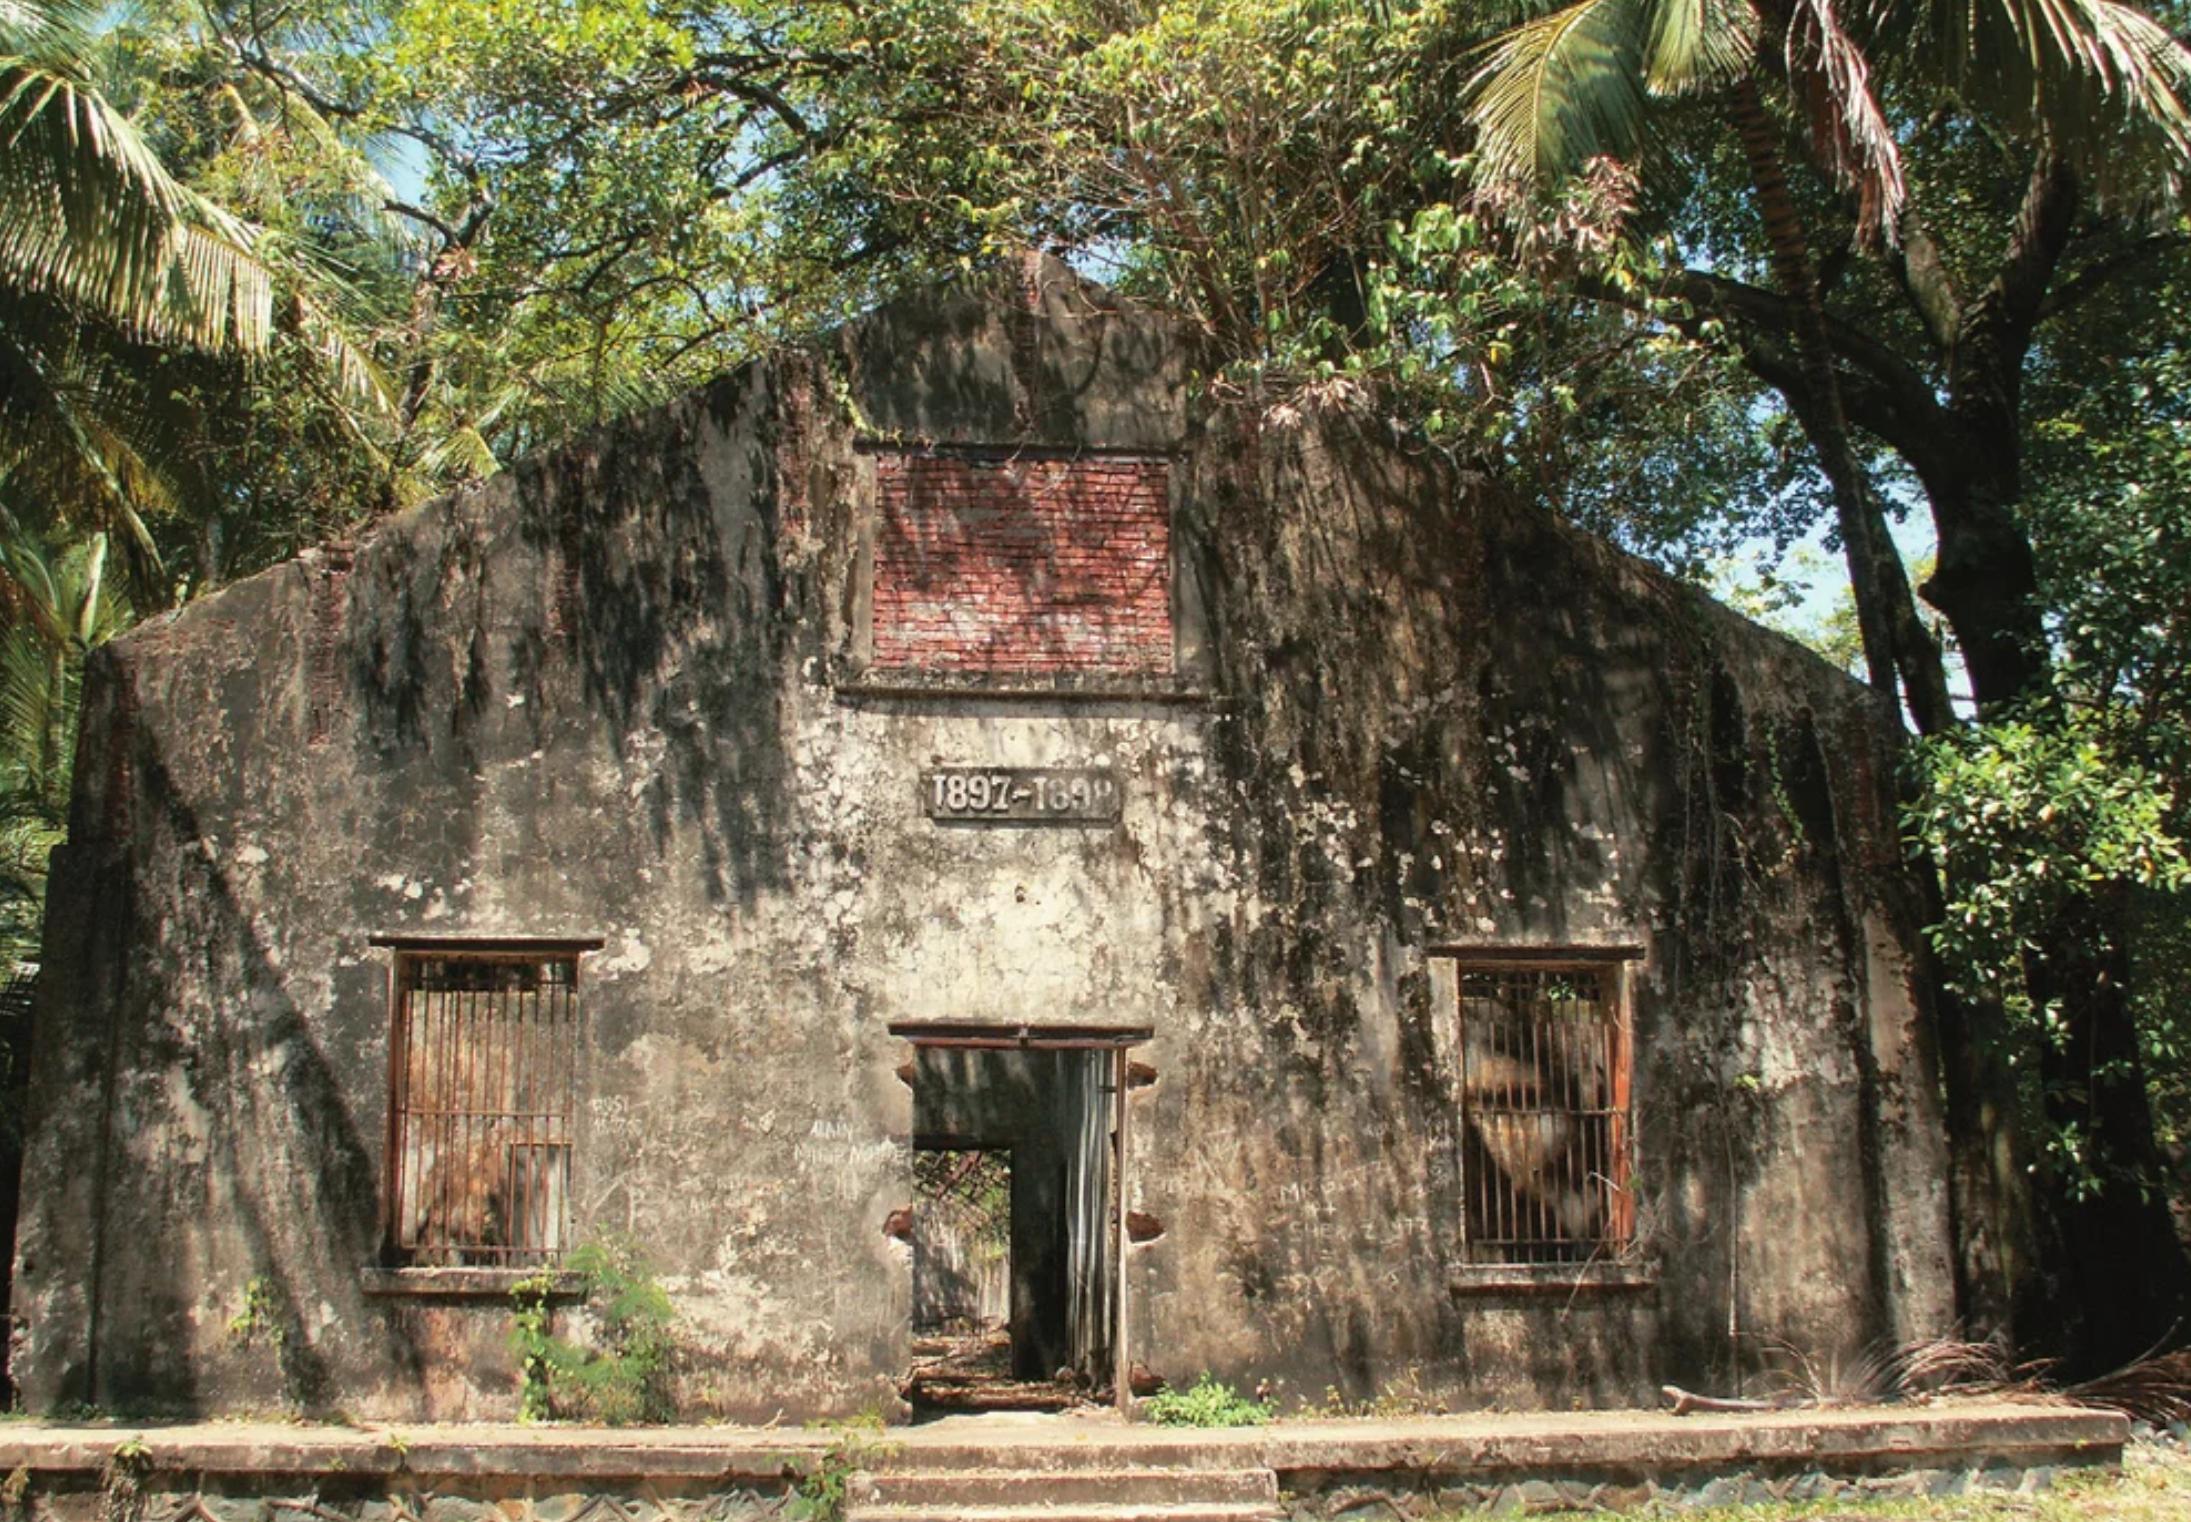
1039 1467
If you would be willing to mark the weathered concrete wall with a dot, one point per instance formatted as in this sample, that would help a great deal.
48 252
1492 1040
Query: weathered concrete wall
1457 720
624 691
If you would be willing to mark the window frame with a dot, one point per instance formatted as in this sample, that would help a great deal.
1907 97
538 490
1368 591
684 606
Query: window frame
473 1259
1613 966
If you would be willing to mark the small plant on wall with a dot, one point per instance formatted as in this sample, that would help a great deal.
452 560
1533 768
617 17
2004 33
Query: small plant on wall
623 1375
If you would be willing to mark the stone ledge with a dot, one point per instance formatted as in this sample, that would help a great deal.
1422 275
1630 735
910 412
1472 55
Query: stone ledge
1663 1444
474 1456
1549 1278
1962 1436
466 1283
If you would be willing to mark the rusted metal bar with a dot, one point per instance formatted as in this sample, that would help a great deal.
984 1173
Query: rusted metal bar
1544 1095
483 1064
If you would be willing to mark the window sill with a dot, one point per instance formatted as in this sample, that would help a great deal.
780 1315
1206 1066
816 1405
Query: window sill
1550 1278
1112 689
465 1283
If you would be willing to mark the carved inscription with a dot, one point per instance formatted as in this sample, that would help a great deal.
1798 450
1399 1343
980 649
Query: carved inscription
1022 794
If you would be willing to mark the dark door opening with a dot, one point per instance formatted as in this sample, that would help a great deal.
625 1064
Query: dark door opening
1015 1225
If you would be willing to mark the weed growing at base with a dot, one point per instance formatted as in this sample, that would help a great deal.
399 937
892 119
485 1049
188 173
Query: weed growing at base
824 1493
624 1378
1208 1402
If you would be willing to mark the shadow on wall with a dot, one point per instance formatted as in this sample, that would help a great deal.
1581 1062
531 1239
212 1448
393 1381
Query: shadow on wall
649 613
649 619
1027 355
1432 665
674 603
262 1094
1333 1259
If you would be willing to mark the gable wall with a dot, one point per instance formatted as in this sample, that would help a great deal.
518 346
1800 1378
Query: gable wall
633 690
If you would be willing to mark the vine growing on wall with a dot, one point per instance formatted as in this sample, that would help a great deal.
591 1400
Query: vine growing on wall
1736 830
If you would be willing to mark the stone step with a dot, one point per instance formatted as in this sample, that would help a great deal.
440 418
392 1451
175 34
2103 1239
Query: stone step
938 1489
1084 1511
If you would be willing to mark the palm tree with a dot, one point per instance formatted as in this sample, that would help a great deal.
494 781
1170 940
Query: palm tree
2089 77
89 214
61 605
107 261
2101 93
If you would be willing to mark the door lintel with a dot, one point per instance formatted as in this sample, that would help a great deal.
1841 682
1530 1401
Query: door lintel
944 1033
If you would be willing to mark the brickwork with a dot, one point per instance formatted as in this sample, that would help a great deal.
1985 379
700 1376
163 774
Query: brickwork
1023 567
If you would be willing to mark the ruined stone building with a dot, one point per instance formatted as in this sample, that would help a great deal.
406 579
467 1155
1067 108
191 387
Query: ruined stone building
966 848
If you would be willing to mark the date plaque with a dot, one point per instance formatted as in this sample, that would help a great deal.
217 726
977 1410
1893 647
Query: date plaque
1022 794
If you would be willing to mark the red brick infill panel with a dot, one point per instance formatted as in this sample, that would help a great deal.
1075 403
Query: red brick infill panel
1023 567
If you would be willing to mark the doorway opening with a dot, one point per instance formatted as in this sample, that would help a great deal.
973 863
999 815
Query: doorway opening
1016 1218
962 1269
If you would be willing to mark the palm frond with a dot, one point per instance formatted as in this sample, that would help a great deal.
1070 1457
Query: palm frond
93 610
72 608
55 409
43 26
1696 44
2155 1389
89 214
1555 92
2094 77
462 453
345 359
1830 81
20 24
31 701
27 587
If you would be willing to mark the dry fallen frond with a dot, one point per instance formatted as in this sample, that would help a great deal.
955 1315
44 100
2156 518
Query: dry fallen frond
2155 1389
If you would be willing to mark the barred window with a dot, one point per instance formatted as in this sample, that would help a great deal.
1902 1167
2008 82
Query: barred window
1544 1089
483 1054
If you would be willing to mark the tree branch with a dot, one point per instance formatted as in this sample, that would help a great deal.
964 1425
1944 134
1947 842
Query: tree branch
1851 344
710 69
1923 276
2011 302
420 215
2094 276
1887 398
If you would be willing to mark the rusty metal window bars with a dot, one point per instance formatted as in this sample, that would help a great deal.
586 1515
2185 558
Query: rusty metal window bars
482 1063
1545 1060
